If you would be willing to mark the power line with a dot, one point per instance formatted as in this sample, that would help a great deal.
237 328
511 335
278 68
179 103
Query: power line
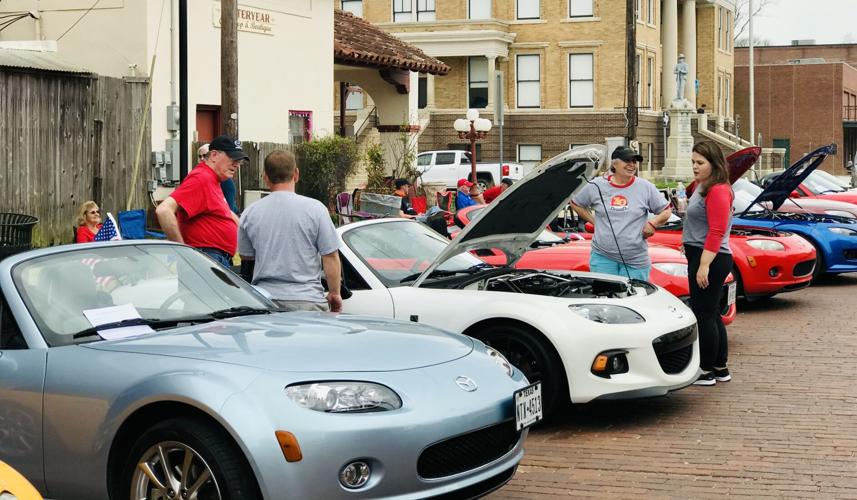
79 19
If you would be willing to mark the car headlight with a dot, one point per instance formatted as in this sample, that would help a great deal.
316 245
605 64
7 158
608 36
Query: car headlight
603 313
767 245
500 360
844 231
840 213
344 397
671 268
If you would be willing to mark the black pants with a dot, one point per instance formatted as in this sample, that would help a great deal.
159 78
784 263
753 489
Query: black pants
705 303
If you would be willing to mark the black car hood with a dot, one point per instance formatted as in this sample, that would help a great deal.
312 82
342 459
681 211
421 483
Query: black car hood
515 219
779 190
738 164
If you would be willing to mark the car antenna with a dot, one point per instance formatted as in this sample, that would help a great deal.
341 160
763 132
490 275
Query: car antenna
610 223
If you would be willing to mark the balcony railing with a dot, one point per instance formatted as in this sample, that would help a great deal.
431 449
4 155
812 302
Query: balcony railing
849 113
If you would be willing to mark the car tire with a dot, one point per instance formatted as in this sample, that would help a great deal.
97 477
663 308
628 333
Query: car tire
536 359
210 450
819 262
739 282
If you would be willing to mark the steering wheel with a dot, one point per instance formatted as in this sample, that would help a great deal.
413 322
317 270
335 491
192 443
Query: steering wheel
171 299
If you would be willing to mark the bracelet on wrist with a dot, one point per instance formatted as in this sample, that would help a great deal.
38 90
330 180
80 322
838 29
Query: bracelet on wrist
653 226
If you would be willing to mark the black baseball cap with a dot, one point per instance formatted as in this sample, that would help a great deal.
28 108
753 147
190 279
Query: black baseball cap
401 182
229 145
626 154
507 181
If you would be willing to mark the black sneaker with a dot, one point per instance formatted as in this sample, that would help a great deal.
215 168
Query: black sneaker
707 378
722 375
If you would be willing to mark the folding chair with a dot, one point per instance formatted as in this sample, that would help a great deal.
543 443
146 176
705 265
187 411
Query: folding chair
446 202
132 225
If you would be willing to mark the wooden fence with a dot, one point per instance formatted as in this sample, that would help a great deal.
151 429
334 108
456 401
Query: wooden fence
67 138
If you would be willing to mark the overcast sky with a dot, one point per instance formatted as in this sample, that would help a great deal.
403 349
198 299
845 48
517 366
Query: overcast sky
826 21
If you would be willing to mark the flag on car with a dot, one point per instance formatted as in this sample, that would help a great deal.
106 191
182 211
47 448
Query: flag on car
109 230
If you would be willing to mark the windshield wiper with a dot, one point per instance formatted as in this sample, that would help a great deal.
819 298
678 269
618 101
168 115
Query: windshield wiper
439 273
88 332
832 191
232 312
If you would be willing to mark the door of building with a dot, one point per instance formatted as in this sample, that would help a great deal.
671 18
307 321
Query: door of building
785 144
207 123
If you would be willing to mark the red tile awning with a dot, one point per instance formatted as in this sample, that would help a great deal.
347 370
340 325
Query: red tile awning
358 42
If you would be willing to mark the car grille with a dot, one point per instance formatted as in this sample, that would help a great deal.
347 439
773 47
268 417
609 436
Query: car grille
675 349
803 268
467 451
850 254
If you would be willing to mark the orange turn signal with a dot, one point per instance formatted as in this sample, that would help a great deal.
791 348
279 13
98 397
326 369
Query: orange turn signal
289 445
751 261
600 363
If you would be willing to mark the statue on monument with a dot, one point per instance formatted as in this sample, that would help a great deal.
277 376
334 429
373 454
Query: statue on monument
680 78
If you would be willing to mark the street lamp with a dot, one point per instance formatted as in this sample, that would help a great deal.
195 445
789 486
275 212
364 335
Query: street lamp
473 128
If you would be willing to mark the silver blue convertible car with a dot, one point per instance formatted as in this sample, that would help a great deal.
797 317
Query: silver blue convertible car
143 370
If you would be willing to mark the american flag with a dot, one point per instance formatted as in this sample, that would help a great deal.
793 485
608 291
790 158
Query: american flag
109 230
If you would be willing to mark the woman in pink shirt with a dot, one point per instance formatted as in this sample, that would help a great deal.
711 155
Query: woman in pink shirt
707 224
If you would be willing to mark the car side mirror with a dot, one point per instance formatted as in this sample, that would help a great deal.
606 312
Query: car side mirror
589 227
795 194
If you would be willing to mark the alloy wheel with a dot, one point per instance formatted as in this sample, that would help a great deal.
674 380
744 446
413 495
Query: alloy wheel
171 470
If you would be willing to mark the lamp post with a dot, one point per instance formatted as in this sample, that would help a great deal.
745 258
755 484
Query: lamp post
473 128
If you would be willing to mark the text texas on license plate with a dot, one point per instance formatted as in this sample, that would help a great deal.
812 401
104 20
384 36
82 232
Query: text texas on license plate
528 405
730 296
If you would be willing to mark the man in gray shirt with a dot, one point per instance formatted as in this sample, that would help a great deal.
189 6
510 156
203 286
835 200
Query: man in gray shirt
291 237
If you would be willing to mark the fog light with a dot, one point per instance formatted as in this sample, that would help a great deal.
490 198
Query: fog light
355 475
774 272
610 363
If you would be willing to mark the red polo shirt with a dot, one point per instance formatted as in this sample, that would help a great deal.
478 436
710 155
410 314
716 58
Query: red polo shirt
205 220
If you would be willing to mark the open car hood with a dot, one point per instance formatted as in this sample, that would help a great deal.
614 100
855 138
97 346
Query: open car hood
738 164
779 190
515 219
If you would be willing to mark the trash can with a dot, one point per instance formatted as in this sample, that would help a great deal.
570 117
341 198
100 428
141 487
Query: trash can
16 233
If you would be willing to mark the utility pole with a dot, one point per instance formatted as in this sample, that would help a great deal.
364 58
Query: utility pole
631 64
229 66
752 80
183 92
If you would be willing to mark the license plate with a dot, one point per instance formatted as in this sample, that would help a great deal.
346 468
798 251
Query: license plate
730 295
528 406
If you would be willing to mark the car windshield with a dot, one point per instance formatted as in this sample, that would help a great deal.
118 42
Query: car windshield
746 186
819 185
826 179
742 200
163 283
398 249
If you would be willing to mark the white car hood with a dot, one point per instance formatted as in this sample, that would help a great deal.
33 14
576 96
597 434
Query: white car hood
516 218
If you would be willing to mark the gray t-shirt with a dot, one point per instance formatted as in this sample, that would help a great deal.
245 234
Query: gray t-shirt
287 234
628 207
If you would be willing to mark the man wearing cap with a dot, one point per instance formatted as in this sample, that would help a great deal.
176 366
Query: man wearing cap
622 203
491 193
463 198
197 213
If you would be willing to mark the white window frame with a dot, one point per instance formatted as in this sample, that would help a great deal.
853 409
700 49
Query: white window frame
518 9
519 81
470 81
577 8
638 10
720 95
470 9
403 16
726 93
426 10
351 4
530 158
650 82
719 27
355 95
650 12
728 42
591 79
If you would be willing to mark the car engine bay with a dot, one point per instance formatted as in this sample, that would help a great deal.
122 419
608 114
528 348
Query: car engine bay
556 285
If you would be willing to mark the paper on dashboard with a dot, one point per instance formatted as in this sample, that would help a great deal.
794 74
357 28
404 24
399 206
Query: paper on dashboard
114 314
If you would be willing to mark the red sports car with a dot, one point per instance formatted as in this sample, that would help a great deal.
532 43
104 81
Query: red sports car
765 262
669 267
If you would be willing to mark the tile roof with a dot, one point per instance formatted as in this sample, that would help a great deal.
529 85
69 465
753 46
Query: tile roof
356 41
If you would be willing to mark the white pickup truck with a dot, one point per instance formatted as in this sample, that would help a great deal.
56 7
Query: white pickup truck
449 166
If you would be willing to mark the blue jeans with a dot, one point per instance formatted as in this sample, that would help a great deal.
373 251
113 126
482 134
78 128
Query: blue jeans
219 256
601 264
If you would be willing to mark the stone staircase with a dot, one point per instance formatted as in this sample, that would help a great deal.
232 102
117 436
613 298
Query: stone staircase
704 127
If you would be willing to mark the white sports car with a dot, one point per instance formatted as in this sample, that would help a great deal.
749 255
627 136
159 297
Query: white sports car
585 336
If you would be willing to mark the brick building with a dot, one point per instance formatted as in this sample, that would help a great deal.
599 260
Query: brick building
563 65
806 97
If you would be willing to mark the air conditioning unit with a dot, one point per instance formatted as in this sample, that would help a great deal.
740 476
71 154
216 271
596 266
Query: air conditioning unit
253 195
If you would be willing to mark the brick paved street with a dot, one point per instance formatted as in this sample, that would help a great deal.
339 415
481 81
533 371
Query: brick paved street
786 426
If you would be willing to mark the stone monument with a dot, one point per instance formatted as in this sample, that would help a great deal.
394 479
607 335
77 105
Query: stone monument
680 142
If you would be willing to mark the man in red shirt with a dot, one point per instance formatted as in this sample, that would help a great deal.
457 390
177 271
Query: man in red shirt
196 213
491 193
